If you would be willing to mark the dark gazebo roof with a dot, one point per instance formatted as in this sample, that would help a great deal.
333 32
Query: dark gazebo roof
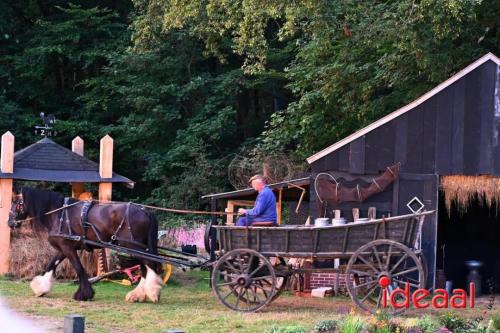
45 160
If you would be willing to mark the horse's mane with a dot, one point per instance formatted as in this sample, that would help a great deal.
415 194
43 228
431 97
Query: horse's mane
38 202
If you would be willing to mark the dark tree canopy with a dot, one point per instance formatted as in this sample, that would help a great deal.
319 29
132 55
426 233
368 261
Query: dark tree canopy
185 85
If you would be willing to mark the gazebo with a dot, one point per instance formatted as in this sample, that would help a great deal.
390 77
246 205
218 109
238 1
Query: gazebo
46 160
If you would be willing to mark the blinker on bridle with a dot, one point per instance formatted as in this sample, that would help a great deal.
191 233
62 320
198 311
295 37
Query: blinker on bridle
19 203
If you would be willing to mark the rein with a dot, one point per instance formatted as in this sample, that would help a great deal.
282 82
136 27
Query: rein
49 212
104 202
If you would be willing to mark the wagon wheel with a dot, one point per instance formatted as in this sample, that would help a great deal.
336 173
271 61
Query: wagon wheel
382 266
281 283
244 280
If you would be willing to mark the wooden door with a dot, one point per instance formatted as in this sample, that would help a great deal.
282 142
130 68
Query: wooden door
425 188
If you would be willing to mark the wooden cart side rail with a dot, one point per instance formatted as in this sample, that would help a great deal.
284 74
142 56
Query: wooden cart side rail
348 225
320 242
318 255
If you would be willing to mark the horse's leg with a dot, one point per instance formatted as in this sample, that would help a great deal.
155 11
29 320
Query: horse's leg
149 285
154 282
42 284
85 291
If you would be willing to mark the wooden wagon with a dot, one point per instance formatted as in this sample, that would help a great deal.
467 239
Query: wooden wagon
377 257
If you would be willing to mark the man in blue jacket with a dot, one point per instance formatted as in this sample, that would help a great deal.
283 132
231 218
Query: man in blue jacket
265 204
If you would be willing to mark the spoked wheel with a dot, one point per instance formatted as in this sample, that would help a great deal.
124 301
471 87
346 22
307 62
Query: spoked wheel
244 280
281 277
281 282
379 268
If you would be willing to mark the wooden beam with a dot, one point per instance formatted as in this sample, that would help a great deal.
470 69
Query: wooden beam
280 201
105 189
230 209
106 157
77 146
7 166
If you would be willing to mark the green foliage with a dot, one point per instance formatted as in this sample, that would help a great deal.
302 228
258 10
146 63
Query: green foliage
287 329
183 85
326 326
457 324
351 324
426 324
494 324
454 322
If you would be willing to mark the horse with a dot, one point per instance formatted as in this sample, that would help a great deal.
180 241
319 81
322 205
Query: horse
124 224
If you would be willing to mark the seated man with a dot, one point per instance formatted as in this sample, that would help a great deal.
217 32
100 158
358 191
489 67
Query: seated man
265 204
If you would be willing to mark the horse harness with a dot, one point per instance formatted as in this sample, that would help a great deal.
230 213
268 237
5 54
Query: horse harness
85 225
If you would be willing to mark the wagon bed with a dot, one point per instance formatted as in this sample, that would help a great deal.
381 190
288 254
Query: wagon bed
319 242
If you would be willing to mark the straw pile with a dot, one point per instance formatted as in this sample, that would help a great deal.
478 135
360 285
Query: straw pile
31 253
463 189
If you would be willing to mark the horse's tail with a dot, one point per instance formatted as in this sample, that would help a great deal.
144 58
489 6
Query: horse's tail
153 234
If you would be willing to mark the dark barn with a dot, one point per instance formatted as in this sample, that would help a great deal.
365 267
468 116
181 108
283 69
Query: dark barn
451 133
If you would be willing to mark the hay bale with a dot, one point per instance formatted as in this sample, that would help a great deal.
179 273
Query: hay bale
30 254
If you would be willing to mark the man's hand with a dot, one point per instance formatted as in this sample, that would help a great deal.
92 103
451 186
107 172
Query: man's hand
242 211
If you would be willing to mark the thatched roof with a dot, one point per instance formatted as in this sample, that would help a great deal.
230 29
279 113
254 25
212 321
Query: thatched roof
463 189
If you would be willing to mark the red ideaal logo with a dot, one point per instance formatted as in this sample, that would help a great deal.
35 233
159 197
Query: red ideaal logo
401 298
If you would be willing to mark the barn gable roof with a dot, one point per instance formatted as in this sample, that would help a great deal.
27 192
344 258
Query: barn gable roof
45 160
404 109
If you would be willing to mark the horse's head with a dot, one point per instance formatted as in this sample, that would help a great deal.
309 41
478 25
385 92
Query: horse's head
18 209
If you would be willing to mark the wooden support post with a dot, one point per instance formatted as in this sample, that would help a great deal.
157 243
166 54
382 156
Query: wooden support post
280 201
372 213
74 323
105 189
7 166
230 209
77 147
212 232
231 204
355 214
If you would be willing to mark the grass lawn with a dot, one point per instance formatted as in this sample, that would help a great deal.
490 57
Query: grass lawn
187 303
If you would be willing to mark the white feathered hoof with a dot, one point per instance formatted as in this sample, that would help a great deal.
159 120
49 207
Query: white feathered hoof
138 294
153 285
42 284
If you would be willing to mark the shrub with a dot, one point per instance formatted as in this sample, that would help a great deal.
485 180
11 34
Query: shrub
454 323
426 324
494 324
326 326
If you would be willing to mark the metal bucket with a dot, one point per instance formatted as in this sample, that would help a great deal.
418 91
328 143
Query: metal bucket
321 222
339 221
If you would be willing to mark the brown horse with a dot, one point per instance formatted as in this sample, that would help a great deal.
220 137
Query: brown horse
123 224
